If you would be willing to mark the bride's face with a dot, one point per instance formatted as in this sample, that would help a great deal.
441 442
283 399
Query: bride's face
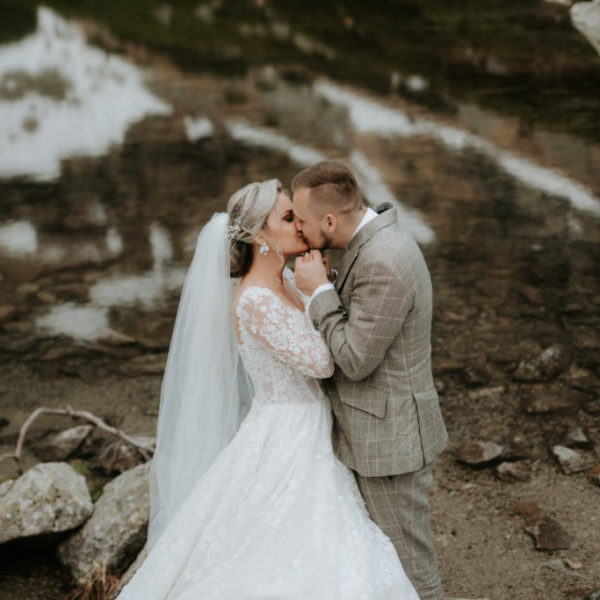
282 228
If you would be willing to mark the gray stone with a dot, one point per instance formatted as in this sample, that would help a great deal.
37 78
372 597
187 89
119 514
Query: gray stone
548 533
539 401
50 497
586 19
571 461
60 446
576 437
595 595
547 365
116 532
5 486
119 456
478 452
510 472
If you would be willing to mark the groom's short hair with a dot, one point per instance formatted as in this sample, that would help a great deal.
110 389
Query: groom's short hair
332 187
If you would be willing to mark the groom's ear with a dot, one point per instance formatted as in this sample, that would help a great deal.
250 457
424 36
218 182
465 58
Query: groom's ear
331 222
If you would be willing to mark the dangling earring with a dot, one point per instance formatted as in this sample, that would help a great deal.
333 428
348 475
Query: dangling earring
264 248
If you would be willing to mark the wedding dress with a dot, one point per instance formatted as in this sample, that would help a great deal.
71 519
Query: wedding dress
276 516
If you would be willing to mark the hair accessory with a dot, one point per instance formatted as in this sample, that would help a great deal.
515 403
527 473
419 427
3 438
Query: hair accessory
234 229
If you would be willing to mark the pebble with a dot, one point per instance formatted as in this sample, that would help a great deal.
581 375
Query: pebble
509 472
548 533
572 461
478 452
539 401
547 365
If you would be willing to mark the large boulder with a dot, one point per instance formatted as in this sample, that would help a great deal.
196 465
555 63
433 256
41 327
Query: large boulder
49 498
116 531
586 19
547 365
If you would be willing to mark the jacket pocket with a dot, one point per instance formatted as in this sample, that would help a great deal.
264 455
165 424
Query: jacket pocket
431 423
366 399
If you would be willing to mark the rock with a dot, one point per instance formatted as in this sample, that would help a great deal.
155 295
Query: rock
61 445
116 531
526 509
573 563
115 338
5 486
510 472
548 533
595 595
584 380
571 461
577 438
443 366
46 297
541 401
6 312
147 364
592 407
26 289
19 345
119 456
586 19
478 452
486 392
594 475
547 365
476 376
50 497
17 326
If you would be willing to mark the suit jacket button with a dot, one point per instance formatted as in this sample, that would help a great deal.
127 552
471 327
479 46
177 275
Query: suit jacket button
315 323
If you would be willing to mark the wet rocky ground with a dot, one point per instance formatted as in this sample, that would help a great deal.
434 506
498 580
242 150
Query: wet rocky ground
89 291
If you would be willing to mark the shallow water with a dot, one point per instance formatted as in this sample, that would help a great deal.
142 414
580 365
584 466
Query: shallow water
113 157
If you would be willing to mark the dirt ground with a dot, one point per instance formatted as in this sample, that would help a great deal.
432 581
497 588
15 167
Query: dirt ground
482 546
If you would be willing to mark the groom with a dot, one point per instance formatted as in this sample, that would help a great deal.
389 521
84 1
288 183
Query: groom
376 320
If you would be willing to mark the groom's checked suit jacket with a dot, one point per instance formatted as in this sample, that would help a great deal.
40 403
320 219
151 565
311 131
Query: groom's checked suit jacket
377 324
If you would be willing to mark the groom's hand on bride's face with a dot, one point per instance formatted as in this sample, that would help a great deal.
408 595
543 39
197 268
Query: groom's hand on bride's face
310 272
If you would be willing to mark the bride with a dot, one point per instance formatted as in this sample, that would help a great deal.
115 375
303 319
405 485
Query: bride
254 506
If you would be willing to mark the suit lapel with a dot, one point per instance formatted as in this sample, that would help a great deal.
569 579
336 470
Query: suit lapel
385 218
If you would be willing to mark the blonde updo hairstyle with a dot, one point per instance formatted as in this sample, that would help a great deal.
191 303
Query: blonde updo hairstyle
248 210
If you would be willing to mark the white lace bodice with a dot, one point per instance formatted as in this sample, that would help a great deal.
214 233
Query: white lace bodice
282 352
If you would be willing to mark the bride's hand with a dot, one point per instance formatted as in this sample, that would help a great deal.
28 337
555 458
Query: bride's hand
310 272
327 265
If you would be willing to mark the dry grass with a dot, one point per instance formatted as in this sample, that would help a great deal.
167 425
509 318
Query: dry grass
101 586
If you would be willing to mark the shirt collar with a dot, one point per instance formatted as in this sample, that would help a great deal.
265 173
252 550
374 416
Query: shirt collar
369 216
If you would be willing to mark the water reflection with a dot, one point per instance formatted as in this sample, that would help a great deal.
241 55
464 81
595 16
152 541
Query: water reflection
18 239
104 241
61 97
369 116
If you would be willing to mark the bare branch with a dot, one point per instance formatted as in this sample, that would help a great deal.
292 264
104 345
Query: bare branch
144 448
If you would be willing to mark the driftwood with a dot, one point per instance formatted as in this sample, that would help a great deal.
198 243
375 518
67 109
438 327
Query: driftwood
145 449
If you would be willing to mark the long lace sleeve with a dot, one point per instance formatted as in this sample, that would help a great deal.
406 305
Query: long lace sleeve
285 331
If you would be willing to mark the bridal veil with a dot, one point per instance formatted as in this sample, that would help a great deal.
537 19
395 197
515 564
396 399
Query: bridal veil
205 391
